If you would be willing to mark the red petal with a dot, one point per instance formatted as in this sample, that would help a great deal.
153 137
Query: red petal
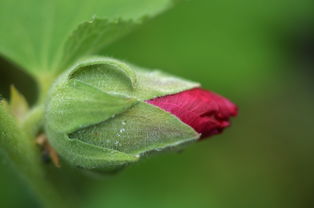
205 111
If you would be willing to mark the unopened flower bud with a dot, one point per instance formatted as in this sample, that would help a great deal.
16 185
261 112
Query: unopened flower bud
104 113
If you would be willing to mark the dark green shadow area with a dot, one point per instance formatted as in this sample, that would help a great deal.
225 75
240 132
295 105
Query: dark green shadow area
10 74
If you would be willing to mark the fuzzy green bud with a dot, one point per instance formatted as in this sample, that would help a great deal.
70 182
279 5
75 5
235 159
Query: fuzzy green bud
96 115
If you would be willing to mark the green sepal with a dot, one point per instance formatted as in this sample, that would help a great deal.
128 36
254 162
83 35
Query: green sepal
121 78
82 105
88 156
139 130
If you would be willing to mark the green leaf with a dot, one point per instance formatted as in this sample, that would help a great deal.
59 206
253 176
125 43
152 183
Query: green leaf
34 32
91 36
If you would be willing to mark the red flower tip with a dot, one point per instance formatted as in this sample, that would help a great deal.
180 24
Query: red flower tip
203 110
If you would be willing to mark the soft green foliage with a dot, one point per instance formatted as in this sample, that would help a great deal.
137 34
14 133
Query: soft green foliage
34 32
97 117
92 36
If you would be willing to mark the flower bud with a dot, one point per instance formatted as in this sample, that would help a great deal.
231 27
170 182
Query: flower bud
205 111
103 113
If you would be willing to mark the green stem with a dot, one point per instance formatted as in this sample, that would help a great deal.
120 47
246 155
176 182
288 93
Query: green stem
25 158
44 82
53 187
34 121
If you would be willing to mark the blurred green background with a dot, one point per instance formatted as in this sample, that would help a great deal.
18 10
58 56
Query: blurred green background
257 53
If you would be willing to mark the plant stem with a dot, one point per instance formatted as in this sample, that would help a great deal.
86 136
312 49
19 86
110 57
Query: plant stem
44 82
26 160
54 188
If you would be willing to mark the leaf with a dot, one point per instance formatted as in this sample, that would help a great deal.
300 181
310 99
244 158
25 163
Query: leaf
92 36
33 32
